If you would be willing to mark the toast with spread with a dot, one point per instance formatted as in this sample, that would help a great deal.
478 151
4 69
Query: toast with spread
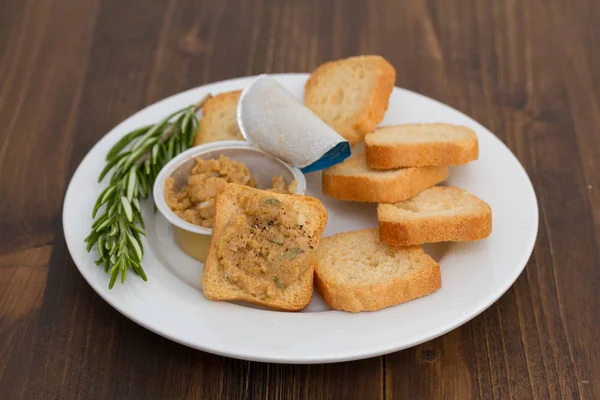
262 247
438 214
353 180
219 119
351 95
356 272
418 145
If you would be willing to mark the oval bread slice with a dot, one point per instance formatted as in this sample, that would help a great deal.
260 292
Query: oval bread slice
438 214
353 180
356 272
219 119
418 145
351 95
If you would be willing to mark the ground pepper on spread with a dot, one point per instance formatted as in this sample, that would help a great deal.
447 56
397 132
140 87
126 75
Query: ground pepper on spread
266 248
195 203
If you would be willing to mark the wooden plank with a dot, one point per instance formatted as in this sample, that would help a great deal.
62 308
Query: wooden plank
355 380
22 282
580 67
437 369
79 331
562 165
44 91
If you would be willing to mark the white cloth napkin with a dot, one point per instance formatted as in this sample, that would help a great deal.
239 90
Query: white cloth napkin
271 118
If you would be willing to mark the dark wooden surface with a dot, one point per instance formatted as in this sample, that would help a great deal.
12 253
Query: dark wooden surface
70 70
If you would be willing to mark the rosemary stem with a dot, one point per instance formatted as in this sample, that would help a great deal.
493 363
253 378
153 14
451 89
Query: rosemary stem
169 131
135 161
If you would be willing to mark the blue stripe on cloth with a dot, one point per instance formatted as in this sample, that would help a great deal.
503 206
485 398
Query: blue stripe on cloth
336 155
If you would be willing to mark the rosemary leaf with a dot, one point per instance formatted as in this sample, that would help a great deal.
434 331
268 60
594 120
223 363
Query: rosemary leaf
273 202
186 120
155 129
103 198
127 208
291 253
104 224
135 228
155 150
143 184
123 273
278 240
136 204
101 247
113 231
100 220
113 277
278 283
92 241
119 161
131 182
114 161
140 219
125 140
135 247
170 149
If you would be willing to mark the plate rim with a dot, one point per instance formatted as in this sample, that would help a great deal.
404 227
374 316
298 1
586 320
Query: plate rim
371 351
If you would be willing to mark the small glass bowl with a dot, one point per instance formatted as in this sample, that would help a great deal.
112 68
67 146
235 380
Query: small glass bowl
193 239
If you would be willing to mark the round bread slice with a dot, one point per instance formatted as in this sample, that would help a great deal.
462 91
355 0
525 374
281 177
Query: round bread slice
356 272
438 214
351 95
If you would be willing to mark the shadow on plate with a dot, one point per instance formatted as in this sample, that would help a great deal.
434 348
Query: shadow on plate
437 251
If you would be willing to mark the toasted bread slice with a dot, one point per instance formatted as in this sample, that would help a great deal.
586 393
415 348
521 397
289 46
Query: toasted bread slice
438 214
219 119
353 180
232 202
351 95
419 145
356 272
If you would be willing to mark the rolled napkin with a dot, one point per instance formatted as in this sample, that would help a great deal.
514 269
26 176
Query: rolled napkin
271 118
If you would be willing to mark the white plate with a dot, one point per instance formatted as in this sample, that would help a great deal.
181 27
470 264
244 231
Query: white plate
474 275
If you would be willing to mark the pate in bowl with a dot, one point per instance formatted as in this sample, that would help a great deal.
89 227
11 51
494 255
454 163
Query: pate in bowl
176 187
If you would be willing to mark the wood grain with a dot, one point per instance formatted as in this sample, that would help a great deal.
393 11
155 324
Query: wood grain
71 70
22 281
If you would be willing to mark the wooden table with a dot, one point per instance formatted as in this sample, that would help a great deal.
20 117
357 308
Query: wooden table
70 70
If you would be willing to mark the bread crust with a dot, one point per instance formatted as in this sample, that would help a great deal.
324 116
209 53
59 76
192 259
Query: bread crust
397 231
389 190
373 115
420 282
421 154
216 287
413 154
374 109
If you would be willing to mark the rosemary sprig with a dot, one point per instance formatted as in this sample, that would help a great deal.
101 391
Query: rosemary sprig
135 161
